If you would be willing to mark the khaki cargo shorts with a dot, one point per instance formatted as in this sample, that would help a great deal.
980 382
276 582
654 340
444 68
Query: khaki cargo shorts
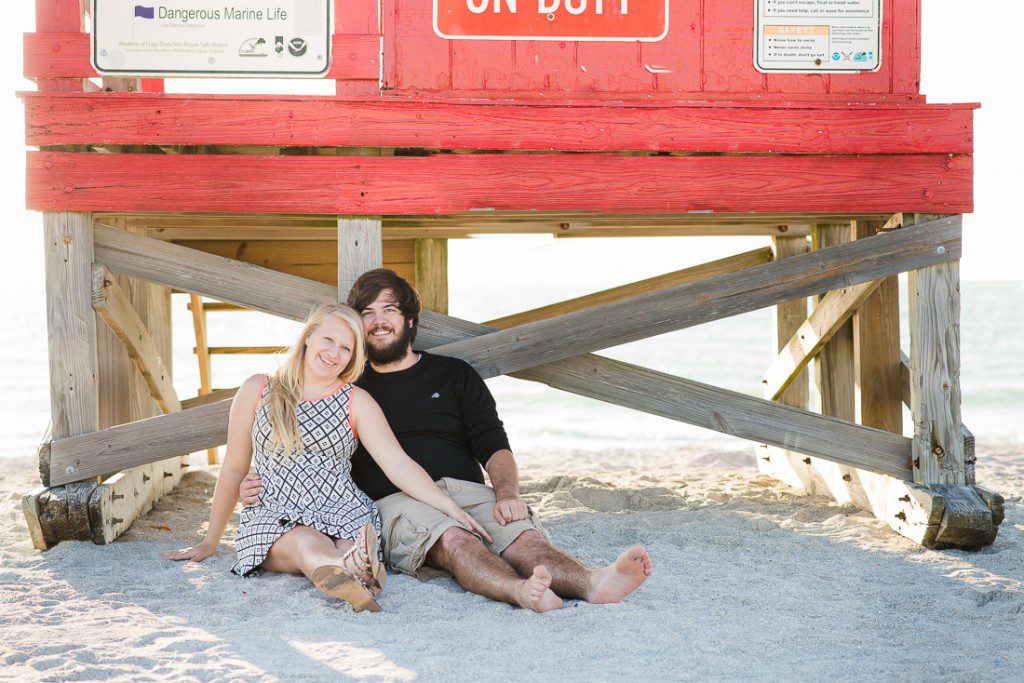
411 528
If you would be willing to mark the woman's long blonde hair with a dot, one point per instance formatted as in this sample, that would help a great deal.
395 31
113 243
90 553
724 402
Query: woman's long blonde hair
286 383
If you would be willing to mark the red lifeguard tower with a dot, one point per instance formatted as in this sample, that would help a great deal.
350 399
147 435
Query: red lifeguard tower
568 117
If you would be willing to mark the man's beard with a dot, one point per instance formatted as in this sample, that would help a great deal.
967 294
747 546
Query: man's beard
394 351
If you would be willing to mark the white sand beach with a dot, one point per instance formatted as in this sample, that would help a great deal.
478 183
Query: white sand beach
750 582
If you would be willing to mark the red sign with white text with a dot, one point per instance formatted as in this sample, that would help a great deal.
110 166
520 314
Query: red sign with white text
634 20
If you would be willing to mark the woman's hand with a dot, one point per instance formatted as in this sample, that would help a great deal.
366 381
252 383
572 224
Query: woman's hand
196 553
466 520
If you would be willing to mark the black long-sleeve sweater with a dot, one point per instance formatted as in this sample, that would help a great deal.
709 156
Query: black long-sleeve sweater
443 416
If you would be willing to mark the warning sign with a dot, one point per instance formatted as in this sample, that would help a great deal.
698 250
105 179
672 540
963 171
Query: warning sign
283 38
818 36
632 20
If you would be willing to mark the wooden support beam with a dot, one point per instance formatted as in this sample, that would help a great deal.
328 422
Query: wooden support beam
789 316
833 369
780 463
497 182
718 297
71 325
589 376
935 373
137 443
813 334
876 349
74 396
934 516
114 307
174 119
242 350
202 350
229 277
432 273
313 259
205 399
611 381
730 264
359 250
970 457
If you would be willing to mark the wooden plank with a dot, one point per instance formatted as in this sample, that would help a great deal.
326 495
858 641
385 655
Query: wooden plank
202 350
789 316
689 304
66 55
813 334
455 183
137 443
359 250
209 275
833 368
432 274
782 464
935 374
730 264
71 326
313 260
140 119
114 307
205 399
428 229
604 379
876 350
242 350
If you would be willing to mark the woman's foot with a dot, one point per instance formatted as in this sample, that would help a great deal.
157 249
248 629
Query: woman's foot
356 560
337 582
535 592
620 578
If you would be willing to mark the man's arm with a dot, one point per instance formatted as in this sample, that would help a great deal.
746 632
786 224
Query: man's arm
504 474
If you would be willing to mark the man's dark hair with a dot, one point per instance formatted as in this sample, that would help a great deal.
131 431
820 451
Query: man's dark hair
370 284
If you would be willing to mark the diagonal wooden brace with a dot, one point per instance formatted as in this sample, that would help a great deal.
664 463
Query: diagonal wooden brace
695 303
736 414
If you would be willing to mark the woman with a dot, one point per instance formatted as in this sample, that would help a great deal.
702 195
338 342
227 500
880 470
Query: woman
301 426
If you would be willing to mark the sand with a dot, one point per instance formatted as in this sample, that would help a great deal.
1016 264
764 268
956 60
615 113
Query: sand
750 582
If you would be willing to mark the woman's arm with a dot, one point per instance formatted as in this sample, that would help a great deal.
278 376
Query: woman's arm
237 460
369 422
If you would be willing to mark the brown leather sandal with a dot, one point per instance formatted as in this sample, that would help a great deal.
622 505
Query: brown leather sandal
337 582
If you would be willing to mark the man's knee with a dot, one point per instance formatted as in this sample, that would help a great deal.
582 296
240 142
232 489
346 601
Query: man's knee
452 542
525 544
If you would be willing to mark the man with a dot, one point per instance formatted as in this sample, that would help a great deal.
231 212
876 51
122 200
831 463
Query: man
445 418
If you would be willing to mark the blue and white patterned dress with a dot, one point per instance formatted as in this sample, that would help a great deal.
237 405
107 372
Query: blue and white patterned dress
313 488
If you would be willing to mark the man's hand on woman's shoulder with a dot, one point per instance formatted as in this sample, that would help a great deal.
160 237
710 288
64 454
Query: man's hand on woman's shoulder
250 489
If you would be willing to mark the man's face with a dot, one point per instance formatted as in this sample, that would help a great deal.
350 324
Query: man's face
387 330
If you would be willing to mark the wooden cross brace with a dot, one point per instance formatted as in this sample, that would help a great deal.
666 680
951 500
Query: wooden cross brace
540 350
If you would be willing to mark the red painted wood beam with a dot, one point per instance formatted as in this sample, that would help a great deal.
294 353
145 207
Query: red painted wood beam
445 184
108 118
66 55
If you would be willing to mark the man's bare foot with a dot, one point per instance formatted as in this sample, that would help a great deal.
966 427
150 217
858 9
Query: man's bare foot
535 592
620 578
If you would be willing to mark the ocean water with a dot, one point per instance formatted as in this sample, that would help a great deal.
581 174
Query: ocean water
730 353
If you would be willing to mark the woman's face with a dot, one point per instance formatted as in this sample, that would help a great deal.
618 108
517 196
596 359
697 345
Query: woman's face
329 349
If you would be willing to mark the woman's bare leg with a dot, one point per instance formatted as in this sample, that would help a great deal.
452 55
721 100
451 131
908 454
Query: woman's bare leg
301 550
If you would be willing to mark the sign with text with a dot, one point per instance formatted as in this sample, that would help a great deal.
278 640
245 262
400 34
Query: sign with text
818 36
609 20
166 38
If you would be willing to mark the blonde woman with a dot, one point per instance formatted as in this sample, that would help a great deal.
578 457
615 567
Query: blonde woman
300 427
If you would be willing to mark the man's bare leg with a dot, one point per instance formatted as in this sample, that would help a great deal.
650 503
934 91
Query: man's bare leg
573 580
480 571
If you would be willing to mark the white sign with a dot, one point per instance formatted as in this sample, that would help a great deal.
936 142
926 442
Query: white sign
818 36
160 38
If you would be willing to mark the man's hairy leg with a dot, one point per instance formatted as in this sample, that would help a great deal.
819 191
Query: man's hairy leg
571 579
480 571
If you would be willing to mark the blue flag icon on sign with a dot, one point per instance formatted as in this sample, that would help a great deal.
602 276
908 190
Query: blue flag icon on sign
144 12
